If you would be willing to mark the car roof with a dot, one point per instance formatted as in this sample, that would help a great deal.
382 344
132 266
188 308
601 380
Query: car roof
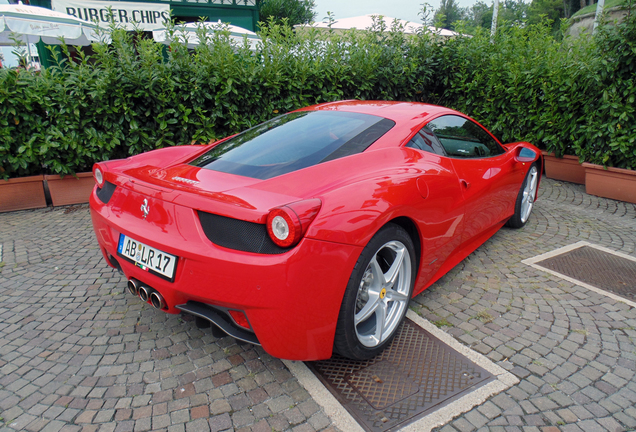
401 112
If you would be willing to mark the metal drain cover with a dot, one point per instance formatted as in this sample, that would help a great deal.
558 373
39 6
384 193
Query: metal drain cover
382 384
415 375
598 268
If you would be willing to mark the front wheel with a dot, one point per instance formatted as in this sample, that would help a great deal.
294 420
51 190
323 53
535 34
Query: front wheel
525 199
377 295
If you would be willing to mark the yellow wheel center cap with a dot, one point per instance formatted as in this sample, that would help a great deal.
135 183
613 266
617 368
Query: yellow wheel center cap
382 293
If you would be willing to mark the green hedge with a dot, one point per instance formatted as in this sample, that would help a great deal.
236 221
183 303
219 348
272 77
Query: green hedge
571 97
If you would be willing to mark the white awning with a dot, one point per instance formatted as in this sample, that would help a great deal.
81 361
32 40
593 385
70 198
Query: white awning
32 24
188 33
365 22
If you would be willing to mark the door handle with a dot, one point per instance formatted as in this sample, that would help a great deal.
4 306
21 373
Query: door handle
465 184
422 187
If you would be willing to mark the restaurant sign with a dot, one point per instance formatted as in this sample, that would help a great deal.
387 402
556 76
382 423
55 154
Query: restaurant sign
147 16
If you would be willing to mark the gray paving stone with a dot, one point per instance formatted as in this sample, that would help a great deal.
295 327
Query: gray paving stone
463 425
53 426
319 421
21 422
294 416
280 403
591 426
593 393
278 422
476 418
199 425
180 416
610 424
490 410
625 419
503 401
242 418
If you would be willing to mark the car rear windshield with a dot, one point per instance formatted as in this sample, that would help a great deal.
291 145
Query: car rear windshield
294 141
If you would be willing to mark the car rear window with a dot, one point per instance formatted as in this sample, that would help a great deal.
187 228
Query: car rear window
294 141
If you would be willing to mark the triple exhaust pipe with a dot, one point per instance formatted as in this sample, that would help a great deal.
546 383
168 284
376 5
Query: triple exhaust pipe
144 292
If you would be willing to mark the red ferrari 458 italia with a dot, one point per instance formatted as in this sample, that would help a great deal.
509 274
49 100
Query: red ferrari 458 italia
310 233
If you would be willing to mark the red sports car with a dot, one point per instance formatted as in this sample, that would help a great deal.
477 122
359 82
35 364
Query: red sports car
310 232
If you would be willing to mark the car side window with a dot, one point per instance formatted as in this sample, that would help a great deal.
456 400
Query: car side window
426 140
463 138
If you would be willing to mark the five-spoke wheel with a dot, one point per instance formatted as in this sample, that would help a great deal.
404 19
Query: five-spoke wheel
377 295
525 199
383 294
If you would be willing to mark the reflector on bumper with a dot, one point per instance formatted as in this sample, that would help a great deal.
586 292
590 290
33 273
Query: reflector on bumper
220 319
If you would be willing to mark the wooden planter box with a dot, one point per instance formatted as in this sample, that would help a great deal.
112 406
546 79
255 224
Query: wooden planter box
614 183
22 193
567 168
70 189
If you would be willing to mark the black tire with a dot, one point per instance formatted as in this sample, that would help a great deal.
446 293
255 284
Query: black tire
360 341
525 198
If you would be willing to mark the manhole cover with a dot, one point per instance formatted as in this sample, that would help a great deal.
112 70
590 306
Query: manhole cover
598 268
415 375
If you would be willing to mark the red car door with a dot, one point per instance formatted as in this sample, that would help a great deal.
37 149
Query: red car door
484 171
488 190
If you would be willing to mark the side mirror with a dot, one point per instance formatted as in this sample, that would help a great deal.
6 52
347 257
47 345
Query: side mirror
522 153
525 154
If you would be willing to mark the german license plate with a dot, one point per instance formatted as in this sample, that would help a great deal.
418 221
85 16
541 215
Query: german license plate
147 258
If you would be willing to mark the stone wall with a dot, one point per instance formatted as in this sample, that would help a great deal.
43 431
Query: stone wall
585 23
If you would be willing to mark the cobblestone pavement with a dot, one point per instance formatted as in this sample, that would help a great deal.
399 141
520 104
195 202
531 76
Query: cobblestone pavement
78 354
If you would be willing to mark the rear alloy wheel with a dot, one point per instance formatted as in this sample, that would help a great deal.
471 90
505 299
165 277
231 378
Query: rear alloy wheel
525 199
377 295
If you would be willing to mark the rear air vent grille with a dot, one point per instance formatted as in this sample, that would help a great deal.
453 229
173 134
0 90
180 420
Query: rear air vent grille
106 193
238 234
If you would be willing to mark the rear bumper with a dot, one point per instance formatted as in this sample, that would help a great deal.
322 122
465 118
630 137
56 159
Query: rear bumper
291 300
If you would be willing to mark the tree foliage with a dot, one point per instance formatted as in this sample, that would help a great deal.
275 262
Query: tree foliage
479 15
448 13
514 12
541 10
295 11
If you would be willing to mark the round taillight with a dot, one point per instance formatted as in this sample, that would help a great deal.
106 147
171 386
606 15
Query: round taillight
288 224
282 229
98 175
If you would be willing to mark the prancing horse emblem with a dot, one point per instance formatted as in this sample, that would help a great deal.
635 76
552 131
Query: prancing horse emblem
145 208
